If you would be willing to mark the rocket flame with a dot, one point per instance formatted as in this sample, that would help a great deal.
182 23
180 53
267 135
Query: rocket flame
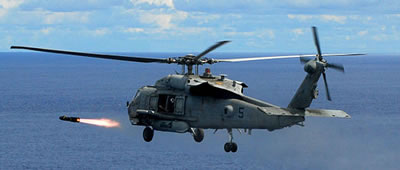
108 123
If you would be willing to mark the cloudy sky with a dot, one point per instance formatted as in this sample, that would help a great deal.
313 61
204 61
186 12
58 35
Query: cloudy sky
370 26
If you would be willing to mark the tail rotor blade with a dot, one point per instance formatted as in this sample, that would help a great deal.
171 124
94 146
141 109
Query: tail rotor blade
316 41
338 67
328 95
304 60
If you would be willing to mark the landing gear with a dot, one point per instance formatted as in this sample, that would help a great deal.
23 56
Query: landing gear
198 134
230 146
148 134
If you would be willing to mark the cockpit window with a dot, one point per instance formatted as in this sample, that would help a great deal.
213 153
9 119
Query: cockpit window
137 94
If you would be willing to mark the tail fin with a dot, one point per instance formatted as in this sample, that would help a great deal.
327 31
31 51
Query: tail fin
308 89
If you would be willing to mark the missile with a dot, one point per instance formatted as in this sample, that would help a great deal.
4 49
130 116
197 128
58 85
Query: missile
71 119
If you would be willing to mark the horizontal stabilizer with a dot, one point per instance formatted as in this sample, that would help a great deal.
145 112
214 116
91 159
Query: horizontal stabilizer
274 111
327 113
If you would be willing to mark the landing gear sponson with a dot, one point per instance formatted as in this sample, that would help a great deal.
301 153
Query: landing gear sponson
198 134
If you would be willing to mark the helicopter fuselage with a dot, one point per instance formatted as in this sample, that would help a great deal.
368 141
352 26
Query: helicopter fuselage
177 103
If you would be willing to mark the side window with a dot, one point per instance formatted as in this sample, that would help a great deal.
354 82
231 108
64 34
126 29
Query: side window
153 102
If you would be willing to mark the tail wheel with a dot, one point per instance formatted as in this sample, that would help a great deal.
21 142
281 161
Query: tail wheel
198 135
148 134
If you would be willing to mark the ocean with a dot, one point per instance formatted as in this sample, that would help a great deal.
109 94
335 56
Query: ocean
37 88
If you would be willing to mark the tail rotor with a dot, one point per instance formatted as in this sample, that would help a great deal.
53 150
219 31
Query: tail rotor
320 59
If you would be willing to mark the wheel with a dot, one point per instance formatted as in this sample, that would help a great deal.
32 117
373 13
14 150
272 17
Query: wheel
227 147
234 147
148 134
198 135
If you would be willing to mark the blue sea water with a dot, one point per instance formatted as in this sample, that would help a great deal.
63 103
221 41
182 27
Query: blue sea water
37 88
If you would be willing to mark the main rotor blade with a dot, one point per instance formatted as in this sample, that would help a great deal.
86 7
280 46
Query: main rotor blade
345 54
328 95
209 49
338 67
104 56
262 58
279 57
316 41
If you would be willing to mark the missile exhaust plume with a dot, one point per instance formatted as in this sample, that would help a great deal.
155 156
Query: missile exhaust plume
108 123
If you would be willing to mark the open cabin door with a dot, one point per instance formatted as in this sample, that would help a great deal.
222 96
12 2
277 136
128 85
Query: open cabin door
168 104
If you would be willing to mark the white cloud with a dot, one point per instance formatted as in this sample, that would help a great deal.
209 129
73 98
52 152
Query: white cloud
203 18
163 19
298 31
300 17
301 3
318 4
264 34
7 4
380 37
392 16
3 12
362 33
61 17
267 33
354 17
172 33
133 30
234 33
194 30
100 31
168 3
46 31
335 18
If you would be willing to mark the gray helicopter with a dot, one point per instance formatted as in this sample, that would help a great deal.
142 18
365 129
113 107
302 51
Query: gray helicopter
190 102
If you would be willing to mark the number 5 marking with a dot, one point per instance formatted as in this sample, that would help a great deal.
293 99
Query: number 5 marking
241 112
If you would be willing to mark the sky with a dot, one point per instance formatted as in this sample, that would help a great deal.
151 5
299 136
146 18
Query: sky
274 26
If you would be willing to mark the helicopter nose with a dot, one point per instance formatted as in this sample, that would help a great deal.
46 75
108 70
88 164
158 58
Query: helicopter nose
133 116
132 111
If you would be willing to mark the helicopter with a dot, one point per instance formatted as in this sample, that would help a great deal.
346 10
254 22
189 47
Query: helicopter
189 102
